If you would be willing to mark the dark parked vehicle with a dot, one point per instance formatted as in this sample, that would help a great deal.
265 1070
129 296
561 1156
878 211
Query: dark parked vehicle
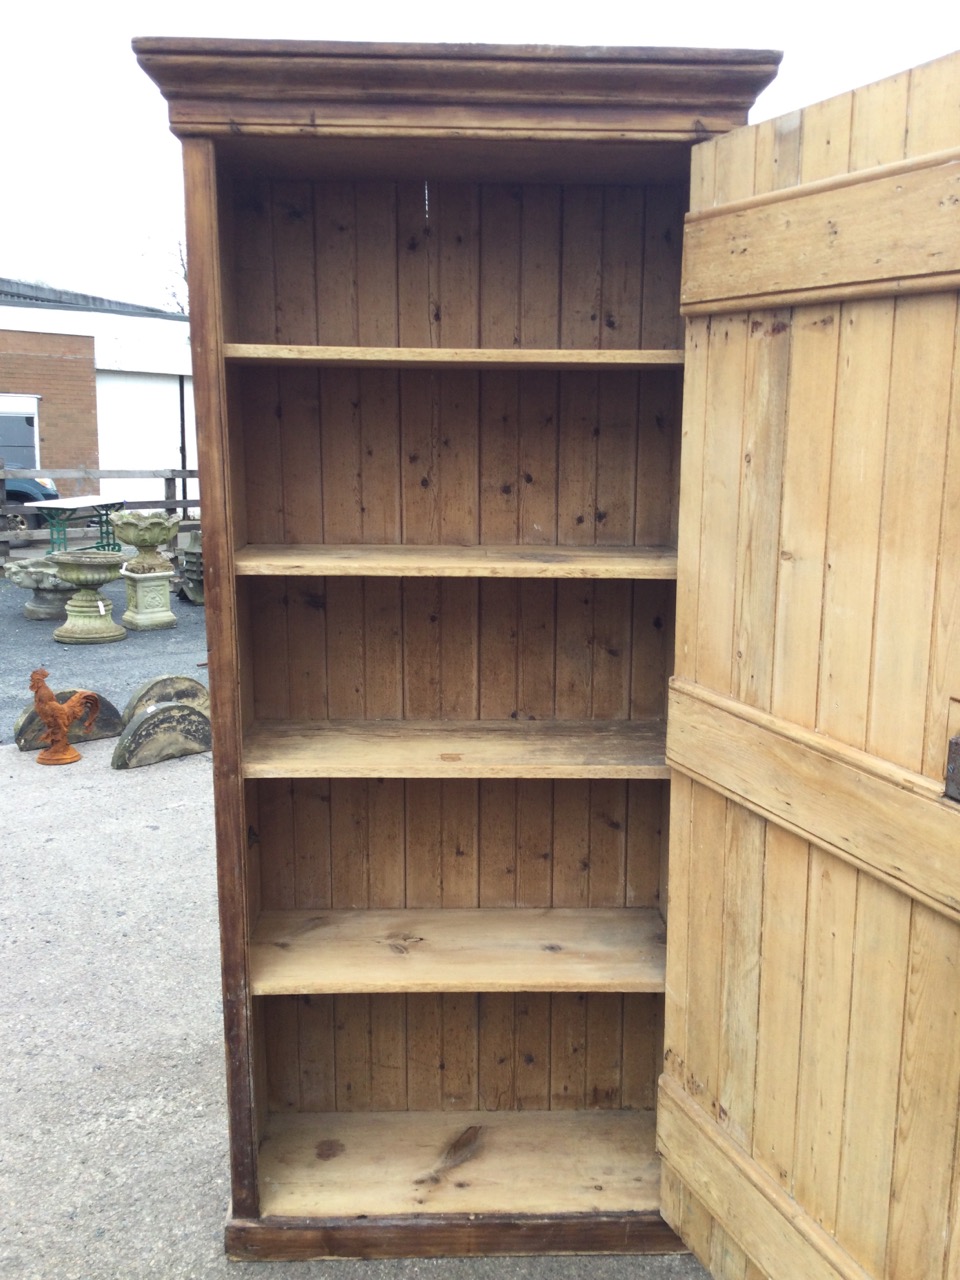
28 491
19 449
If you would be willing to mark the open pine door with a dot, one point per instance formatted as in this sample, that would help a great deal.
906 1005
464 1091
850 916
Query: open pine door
809 1106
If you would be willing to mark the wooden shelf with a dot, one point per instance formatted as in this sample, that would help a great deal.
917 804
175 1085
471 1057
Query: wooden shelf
456 749
449 357
380 1164
458 562
543 949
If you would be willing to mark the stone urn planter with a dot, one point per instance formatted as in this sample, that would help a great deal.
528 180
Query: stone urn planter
148 574
147 531
50 592
89 614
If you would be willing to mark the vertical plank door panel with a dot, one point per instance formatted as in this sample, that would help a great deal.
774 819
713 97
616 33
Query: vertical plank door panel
827 1072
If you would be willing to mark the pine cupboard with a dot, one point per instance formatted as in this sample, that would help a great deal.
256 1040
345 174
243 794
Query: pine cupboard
453 565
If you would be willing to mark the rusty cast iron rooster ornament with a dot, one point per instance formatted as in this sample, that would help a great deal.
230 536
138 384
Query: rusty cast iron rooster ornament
59 716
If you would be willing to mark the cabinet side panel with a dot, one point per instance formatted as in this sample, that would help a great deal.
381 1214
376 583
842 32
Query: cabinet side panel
226 249
236 463
642 1050
213 451
252 842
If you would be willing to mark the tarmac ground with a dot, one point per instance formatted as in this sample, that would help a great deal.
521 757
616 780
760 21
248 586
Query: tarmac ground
113 1146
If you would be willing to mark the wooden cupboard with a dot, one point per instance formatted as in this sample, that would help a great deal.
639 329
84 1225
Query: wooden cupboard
435 303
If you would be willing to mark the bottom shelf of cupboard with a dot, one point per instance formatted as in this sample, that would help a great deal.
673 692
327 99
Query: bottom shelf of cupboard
457 996
389 1184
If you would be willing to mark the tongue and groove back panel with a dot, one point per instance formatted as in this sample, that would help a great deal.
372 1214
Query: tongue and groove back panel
460 456
433 264
457 457
442 457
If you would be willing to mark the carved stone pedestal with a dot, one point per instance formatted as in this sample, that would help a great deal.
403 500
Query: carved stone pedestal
148 601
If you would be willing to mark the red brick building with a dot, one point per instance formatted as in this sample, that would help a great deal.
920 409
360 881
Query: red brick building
101 384
58 368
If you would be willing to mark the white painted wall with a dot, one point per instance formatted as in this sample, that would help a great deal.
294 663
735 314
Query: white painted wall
138 422
143 344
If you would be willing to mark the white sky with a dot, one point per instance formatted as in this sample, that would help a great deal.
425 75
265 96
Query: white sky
90 184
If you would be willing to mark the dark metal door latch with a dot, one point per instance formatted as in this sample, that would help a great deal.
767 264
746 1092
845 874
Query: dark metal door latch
952 789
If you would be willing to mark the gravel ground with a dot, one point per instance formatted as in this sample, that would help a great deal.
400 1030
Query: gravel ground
113 1151
115 671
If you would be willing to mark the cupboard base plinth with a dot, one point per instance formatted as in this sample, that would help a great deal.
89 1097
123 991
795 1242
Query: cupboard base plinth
436 1184
448 1235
